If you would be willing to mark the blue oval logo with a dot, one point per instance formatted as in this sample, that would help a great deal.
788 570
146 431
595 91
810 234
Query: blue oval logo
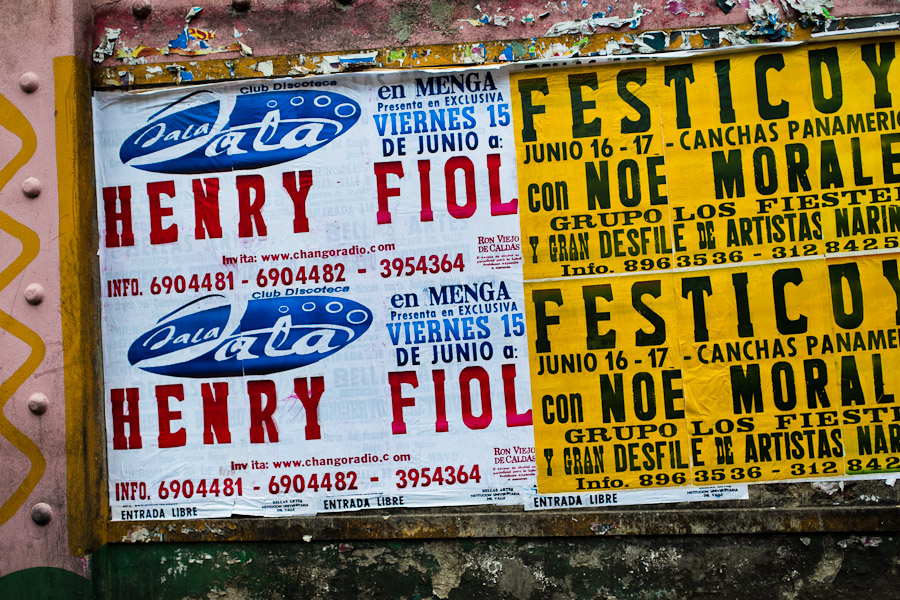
208 338
262 129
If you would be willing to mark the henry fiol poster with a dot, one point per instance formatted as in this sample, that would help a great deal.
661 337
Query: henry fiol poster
312 296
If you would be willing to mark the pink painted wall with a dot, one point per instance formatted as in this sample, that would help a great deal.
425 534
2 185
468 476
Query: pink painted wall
274 27
31 35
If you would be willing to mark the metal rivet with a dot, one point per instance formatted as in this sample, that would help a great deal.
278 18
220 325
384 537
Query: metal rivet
32 187
29 81
241 5
41 513
34 293
38 403
141 9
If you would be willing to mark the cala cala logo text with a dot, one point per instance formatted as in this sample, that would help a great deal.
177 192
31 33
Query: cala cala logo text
197 134
209 338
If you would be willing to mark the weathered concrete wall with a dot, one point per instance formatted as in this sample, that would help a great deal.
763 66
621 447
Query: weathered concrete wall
595 557
738 567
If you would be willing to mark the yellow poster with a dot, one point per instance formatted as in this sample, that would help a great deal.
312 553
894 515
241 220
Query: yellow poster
854 134
733 173
760 405
592 174
607 385
743 203
865 345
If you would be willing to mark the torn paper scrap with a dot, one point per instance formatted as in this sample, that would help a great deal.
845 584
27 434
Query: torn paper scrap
587 26
195 10
812 8
107 44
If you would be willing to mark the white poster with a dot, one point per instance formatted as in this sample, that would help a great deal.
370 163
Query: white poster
312 296
607 498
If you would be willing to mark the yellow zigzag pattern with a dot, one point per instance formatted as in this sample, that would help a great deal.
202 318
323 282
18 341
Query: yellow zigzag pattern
13 120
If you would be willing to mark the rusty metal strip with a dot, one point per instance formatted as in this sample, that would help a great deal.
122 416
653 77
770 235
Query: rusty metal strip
208 69
700 521
86 496
410 57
